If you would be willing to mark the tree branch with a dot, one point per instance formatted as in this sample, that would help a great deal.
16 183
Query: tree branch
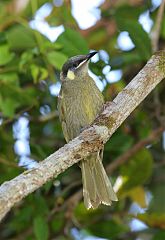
88 141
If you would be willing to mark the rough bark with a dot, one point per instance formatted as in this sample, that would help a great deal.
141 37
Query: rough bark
90 140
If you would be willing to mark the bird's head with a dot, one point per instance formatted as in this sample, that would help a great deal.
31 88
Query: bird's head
76 67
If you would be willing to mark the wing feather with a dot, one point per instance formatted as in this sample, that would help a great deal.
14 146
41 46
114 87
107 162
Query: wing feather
62 115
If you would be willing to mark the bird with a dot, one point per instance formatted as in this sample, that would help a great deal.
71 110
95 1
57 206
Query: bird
79 103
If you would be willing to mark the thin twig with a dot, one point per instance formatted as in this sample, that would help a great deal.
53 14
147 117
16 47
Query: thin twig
9 163
16 116
156 31
47 117
131 152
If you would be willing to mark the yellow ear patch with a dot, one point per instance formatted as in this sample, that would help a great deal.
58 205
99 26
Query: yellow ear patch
71 75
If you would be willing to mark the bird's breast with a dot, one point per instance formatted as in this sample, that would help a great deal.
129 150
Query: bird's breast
82 104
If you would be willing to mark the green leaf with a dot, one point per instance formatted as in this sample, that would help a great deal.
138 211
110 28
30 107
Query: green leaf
3 39
119 142
40 228
61 15
58 222
21 38
47 45
143 129
5 55
57 59
9 78
97 67
40 205
25 59
109 229
157 203
12 96
73 43
98 38
137 170
8 106
35 72
160 235
21 219
83 215
139 37
43 73
129 12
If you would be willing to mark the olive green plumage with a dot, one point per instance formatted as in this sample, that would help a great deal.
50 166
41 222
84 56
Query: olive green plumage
80 101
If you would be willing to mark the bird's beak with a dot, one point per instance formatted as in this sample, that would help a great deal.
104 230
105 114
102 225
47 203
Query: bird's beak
90 55
86 59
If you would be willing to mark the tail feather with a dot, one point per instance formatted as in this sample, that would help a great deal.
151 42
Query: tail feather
97 188
89 187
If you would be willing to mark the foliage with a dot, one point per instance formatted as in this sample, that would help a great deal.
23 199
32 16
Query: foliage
30 130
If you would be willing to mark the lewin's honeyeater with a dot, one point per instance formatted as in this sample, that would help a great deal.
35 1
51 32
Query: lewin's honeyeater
80 101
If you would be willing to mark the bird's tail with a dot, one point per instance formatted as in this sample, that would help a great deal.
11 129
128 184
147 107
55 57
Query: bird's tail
97 188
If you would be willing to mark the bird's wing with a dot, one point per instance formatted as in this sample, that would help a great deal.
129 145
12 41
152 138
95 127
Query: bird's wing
62 115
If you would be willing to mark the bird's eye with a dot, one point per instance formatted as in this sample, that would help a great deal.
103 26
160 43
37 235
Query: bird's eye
75 65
